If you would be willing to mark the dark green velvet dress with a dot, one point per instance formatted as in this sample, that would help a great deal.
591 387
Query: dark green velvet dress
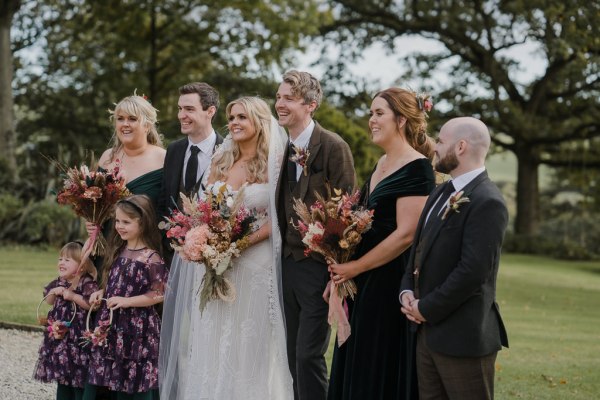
148 184
377 360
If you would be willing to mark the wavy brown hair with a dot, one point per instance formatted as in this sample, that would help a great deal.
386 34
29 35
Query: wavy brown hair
404 103
138 207
305 86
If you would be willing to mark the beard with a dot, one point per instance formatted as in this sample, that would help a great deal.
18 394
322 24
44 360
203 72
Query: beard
447 164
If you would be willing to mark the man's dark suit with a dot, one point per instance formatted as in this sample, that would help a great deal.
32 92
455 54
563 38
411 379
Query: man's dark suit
172 183
304 278
458 266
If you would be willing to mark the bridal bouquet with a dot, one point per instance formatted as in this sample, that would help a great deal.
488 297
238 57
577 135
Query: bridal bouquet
212 229
333 227
92 195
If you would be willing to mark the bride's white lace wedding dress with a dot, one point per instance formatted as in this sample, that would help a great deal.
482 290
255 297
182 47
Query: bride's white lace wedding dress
232 350
237 349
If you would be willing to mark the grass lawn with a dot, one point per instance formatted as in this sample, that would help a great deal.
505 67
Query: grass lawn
550 309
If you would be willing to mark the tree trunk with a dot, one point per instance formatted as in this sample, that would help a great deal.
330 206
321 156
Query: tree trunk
153 54
7 121
527 218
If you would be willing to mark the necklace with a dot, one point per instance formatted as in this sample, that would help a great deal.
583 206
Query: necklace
136 249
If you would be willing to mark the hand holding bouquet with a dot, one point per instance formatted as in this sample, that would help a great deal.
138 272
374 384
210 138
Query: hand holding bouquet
333 227
92 195
212 229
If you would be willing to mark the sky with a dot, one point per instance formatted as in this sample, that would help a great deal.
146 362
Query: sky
378 65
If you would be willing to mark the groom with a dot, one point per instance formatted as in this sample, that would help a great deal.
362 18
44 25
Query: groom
329 162
187 159
449 288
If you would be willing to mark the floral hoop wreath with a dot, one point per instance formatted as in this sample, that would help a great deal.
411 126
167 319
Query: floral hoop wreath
57 329
98 336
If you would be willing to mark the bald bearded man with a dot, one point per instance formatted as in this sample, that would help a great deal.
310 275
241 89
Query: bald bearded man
449 288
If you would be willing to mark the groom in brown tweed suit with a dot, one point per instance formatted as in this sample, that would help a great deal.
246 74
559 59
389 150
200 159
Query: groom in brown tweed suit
304 278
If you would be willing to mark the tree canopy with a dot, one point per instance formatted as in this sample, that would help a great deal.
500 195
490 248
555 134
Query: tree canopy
83 56
552 119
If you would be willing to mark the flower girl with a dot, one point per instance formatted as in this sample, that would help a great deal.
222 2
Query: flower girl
124 344
61 358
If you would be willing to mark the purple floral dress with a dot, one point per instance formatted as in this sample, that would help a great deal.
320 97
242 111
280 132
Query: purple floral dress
129 361
64 360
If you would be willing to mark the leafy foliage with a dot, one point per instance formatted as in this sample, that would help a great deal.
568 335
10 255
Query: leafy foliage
87 55
536 120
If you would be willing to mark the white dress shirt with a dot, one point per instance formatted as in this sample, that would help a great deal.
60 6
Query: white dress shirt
459 183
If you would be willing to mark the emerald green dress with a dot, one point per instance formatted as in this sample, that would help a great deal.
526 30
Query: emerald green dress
148 184
377 362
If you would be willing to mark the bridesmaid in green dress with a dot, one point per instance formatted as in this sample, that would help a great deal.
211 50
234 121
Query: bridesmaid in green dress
137 149
377 360
136 146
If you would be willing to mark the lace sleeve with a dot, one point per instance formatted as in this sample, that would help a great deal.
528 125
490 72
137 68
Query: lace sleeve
157 273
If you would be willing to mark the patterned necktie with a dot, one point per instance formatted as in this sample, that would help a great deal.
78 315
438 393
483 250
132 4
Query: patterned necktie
291 167
191 170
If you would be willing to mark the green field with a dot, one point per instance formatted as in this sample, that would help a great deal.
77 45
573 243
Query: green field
550 309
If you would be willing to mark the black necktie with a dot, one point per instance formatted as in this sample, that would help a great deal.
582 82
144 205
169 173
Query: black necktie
291 167
434 215
191 170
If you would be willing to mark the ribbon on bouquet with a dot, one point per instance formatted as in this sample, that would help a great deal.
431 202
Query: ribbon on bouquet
338 314
89 245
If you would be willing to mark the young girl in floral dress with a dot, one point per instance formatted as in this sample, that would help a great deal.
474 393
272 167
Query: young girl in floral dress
133 281
61 358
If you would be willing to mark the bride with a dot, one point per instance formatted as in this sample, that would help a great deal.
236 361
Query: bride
233 350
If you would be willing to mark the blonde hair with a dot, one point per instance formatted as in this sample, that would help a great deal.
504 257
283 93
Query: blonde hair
74 250
260 116
406 103
139 107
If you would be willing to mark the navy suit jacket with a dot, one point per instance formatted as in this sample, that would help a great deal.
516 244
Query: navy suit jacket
173 168
458 267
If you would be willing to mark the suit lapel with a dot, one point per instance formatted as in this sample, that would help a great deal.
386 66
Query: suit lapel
314 145
428 204
177 169
435 230
282 170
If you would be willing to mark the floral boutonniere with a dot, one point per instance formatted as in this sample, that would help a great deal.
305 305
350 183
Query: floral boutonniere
300 157
454 203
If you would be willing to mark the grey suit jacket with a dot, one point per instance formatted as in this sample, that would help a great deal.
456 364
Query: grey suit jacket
458 267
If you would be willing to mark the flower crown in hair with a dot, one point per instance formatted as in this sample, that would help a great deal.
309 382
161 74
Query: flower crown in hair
143 96
425 102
